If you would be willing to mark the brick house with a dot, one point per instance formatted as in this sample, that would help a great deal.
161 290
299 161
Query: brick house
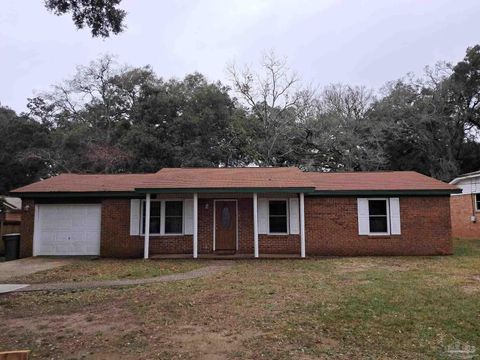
248 211
465 207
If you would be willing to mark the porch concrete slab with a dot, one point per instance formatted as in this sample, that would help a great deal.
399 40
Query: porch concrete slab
21 267
6 288
226 257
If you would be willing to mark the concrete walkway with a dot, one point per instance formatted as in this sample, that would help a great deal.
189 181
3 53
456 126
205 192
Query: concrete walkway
27 266
202 272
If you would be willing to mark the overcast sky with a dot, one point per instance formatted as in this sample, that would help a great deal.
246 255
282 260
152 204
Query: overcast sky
350 41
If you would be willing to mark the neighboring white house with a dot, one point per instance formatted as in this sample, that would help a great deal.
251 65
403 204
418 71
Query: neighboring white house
465 207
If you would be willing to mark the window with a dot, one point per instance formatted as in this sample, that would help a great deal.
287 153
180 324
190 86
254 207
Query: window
155 217
166 219
278 218
378 216
173 217
477 201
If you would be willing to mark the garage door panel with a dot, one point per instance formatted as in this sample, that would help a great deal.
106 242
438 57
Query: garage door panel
78 217
68 229
92 218
63 216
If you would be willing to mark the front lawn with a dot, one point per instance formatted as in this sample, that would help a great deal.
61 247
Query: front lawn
340 308
109 269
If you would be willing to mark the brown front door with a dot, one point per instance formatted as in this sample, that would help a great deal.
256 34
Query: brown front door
225 225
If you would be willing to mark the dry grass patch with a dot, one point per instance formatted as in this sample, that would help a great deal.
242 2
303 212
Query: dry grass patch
109 269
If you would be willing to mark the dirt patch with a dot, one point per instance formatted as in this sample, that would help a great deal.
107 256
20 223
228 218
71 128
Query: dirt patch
103 356
85 323
471 289
356 266
471 284
347 282
211 345
98 329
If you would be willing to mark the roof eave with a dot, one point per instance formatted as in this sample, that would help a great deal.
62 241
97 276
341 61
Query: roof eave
465 177
309 191
434 192
73 194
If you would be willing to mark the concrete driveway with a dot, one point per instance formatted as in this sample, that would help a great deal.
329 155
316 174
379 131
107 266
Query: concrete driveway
21 267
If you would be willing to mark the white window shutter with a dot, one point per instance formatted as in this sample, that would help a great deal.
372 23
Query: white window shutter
395 228
363 217
262 216
188 216
294 216
135 216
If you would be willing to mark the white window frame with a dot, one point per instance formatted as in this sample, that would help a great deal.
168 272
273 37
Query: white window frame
287 203
162 217
476 202
387 201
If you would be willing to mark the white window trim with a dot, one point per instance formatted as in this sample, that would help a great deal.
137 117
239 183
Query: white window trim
476 202
162 217
388 233
288 217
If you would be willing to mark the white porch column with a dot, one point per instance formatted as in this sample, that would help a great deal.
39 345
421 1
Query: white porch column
147 227
302 225
255 224
195 225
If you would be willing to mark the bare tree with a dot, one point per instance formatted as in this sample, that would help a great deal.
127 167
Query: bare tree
349 103
273 94
339 140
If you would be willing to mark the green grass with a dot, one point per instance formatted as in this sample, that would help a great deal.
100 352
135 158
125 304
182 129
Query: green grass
340 308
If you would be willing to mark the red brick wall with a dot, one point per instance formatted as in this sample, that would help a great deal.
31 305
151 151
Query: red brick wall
117 242
26 228
462 226
331 227
245 226
278 244
267 244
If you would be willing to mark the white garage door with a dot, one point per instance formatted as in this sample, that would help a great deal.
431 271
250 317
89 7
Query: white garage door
67 229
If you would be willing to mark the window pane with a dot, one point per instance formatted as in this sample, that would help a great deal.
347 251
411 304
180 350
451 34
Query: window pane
278 224
378 224
377 207
226 217
173 208
173 225
278 207
155 207
154 225
477 198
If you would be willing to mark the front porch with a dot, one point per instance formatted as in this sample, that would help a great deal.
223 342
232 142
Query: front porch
233 225
236 256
